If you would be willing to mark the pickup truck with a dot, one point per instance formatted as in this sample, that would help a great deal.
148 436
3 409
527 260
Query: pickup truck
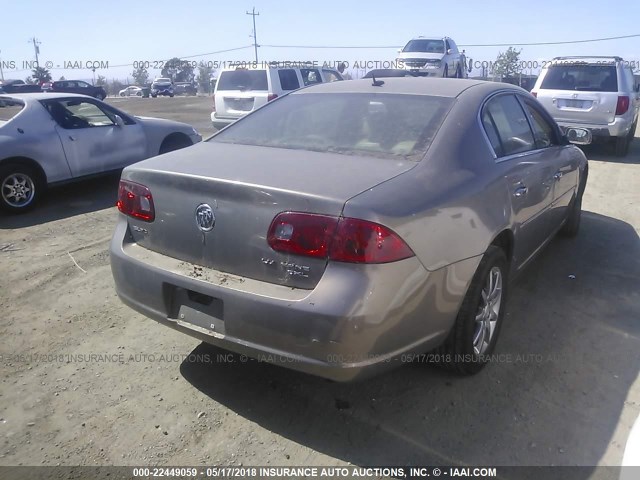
433 57
18 86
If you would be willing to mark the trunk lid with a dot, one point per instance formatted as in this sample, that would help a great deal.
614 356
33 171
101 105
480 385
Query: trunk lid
246 187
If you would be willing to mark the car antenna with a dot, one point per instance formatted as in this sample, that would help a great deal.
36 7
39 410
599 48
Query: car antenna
376 83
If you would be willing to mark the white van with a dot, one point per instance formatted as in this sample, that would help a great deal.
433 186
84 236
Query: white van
241 90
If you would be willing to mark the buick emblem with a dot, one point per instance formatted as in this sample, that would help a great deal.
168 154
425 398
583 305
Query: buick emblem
205 219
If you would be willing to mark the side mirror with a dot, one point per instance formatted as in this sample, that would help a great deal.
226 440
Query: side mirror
579 136
449 52
119 121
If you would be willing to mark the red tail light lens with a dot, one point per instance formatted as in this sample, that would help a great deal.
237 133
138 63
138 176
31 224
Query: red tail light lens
360 241
214 102
302 234
623 105
272 96
339 239
535 94
136 201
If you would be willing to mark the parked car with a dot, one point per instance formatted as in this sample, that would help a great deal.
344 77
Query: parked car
239 90
49 139
345 227
46 86
131 91
433 57
162 86
80 87
389 73
185 88
18 86
596 93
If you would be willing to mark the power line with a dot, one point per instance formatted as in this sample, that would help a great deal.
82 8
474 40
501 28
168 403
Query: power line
188 56
464 45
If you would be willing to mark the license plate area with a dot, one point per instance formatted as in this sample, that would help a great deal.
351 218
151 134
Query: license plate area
241 104
571 103
191 308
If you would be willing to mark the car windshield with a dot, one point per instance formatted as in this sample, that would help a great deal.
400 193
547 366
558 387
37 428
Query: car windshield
381 125
425 46
243 80
589 78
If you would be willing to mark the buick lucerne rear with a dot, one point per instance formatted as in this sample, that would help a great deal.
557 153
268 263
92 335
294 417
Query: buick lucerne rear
347 226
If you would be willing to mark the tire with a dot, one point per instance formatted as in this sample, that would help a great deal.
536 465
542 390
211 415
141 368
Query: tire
467 350
122 94
171 95
571 226
20 188
445 72
174 143
622 146
154 96
139 94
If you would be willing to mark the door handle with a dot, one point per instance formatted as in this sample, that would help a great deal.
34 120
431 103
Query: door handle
558 175
73 139
520 191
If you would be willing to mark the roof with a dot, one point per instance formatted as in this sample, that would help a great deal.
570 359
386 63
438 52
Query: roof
440 87
41 95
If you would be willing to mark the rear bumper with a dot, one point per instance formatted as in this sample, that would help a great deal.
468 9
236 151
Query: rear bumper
618 128
221 122
357 321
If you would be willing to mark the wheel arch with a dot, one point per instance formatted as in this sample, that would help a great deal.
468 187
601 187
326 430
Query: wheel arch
28 162
505 241
177 137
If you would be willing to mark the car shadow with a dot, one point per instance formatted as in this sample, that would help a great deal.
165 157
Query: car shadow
605 152
68 201
553 393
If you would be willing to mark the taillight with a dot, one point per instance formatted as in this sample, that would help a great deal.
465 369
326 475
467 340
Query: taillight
136 201
535 94
302 234
214 102
339 239
272 96
623 105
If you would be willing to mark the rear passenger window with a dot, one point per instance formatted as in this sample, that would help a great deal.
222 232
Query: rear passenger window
492 133
511 125
310 76
288 79
544 132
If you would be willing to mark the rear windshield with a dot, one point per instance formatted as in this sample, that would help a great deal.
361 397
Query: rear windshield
243 80
425 46
380 125
9 108
588 78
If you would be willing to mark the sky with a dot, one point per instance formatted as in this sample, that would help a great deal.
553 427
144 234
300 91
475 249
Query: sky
112 33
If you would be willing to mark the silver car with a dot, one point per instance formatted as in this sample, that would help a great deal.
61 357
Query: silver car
349 226
596 93
51 138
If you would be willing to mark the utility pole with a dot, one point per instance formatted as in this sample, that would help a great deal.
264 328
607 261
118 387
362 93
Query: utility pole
36 48
1 73
255 34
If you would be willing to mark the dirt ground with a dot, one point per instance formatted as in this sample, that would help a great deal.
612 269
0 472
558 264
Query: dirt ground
87 381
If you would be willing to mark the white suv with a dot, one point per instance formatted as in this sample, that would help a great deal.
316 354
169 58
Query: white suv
433 57
241 90
596 93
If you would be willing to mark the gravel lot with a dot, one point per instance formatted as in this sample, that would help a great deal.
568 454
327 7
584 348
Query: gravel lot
566 394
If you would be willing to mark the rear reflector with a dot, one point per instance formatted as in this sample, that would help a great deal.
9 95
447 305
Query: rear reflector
623 105
136 201
339 239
